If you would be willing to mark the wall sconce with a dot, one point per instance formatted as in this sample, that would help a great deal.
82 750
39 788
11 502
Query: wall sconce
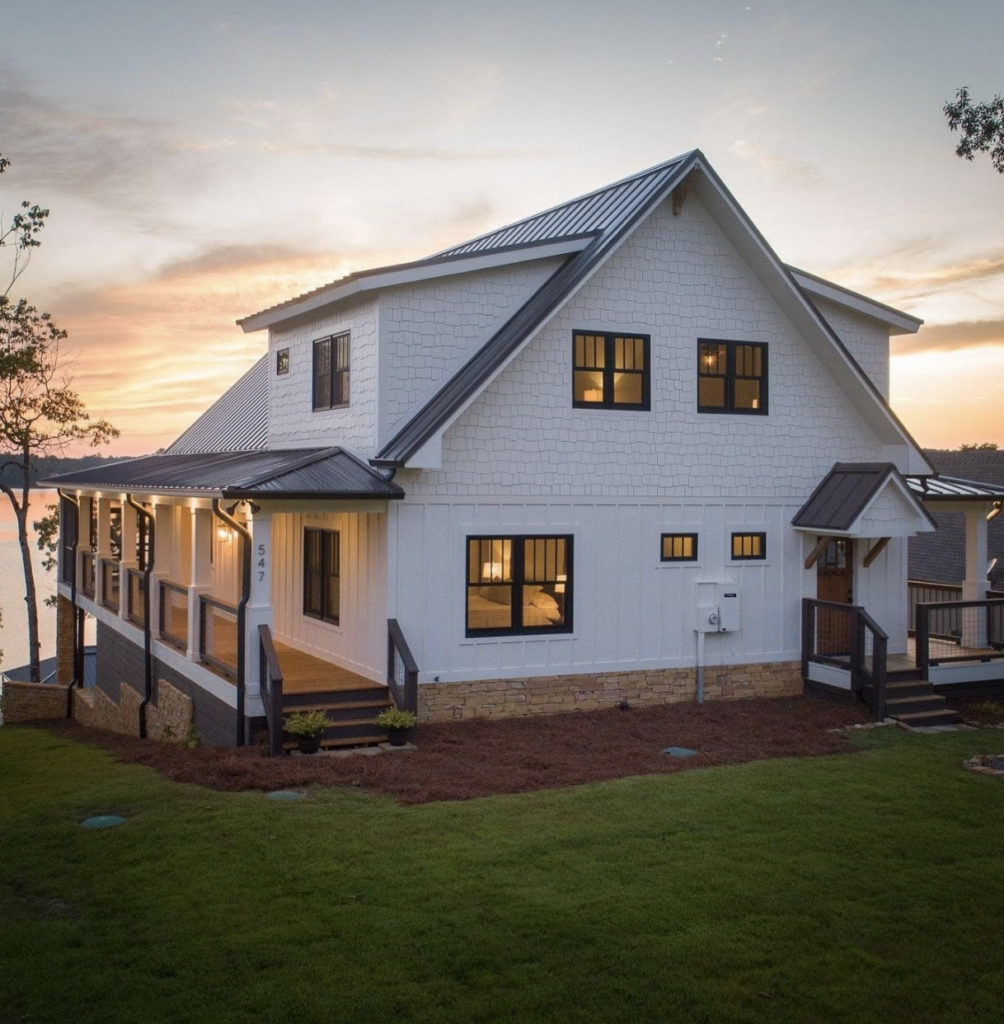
559 587
224 533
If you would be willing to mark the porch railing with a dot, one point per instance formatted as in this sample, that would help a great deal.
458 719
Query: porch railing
271 689
174 615
218 636
980 635
946 623
110 583
135 605
87 573
846 636
402 669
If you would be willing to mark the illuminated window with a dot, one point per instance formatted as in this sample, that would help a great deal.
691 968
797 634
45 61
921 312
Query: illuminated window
519 585
282 361
679 547
610 371
331 372
732 377
749 547
322 575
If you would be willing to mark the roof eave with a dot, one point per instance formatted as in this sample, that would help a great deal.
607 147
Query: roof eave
900 322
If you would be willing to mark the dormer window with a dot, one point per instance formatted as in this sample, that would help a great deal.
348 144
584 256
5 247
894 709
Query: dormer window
331 372
610 371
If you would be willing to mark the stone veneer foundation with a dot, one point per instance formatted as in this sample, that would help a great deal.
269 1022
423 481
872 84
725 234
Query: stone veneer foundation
168 719
544 695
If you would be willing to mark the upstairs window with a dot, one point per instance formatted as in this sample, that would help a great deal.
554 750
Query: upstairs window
519 585
732 377
331 372
322 573
610 371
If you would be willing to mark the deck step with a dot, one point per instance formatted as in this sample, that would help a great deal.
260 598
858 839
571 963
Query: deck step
896 706
376 692
349 712
926 719
334 744
909 688
904 674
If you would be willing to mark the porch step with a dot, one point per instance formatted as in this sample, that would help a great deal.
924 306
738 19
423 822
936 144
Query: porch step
897 706
335 744
298 701
349 709
899 675
913 688
926 719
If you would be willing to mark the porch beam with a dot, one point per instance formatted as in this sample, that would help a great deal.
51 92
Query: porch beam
816 553
876 549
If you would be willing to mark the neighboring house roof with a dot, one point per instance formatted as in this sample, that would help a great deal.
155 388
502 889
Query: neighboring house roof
297 473
47 666
235 422
848 491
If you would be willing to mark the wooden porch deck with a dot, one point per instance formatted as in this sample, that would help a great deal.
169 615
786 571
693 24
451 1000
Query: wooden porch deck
303 673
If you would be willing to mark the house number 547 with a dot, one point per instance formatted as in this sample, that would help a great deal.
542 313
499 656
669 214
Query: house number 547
261 562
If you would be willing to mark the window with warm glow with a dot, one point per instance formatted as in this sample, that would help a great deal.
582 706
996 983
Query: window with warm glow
519 585
610 371
749 547
331 372
679 547
732 377
322 575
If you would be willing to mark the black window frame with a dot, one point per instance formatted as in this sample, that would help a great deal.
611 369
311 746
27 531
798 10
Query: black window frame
762 557
330 541
609 369
282 362
337 374
730 377
663 557
518 541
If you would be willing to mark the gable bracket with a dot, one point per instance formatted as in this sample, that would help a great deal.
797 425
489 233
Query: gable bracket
680 194
876 549
817 551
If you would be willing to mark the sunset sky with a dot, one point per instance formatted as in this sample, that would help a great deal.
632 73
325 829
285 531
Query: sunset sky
203 160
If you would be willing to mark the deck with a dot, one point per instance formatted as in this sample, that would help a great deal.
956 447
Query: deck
303 673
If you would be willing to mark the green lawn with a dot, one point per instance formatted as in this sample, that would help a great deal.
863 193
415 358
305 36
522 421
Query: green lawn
866 887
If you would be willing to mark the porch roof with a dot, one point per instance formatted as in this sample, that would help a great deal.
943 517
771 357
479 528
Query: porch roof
950 488
301 473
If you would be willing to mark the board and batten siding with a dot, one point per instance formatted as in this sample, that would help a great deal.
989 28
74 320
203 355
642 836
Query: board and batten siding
359 641
631 610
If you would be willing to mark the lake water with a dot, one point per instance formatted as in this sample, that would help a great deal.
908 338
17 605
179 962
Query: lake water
14 627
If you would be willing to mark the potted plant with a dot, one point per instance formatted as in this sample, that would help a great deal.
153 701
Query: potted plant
397 723
308 729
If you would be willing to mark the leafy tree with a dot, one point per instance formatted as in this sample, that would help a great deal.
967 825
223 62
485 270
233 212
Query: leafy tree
982 446
981 125
40 413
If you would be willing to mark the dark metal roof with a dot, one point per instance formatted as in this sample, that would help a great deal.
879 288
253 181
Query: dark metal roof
614 211
296 473
235 422
844 494
950 488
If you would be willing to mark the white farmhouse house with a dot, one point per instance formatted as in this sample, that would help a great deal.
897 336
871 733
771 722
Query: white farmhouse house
615 451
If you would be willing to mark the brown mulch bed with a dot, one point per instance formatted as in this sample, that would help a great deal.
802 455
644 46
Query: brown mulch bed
462 760
982 711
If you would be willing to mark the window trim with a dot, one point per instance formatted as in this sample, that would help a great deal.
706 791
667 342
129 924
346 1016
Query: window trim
279 371
333 371
762 557
730 378
325 576
518 541
670 558
608 371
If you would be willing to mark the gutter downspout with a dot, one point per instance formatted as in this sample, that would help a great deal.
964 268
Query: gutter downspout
245 535
78 615
147 626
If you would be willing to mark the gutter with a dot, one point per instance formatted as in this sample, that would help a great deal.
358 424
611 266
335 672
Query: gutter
147 626
245 535
78 615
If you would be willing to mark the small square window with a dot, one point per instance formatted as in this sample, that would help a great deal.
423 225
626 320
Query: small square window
282 361
679 547
749 547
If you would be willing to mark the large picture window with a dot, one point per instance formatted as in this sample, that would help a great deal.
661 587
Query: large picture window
322 575
732 377
610 371
519 585
331 371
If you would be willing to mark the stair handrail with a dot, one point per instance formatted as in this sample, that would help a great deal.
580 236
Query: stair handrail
880 661
404 691
270 676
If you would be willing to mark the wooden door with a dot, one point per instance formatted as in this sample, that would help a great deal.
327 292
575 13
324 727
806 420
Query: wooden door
835 582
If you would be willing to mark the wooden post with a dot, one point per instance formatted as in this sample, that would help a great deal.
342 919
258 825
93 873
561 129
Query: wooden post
922 640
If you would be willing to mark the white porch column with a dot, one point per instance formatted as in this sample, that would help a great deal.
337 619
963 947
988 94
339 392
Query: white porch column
83 536
127 556
200 576
975 585
259 607
104 548
163 546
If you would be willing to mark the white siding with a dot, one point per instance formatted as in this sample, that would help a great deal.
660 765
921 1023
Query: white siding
292 421
866 339
359 641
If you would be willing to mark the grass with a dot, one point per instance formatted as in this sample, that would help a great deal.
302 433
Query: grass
842 889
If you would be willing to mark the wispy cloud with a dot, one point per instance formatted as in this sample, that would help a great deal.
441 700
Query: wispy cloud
784 170
890 277
951 338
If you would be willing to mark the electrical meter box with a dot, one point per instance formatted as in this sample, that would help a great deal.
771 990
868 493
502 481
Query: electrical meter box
728 599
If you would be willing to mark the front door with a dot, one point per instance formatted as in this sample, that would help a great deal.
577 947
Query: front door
835 582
